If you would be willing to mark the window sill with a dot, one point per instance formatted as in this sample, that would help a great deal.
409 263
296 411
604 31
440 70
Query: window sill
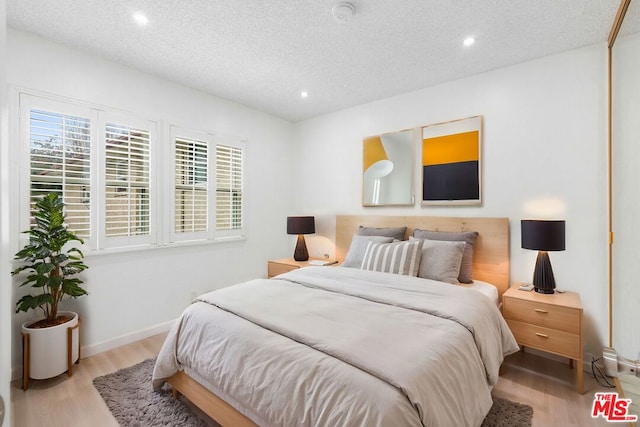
142 248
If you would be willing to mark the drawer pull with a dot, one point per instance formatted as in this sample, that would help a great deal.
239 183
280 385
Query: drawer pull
542 335
539 310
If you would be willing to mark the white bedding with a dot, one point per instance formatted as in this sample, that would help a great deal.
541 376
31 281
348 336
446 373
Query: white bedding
350 347
485 288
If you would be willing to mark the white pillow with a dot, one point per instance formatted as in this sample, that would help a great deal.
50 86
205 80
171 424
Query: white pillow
358 247
441 260
399 257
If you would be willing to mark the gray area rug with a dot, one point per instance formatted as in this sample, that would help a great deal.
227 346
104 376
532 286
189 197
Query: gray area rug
505 413
132 401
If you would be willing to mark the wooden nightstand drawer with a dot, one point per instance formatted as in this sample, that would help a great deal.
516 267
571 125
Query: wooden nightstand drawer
547 322
551 340
279 266
275 268
550 316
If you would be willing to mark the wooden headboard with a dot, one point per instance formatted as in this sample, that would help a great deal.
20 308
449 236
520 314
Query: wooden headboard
491 251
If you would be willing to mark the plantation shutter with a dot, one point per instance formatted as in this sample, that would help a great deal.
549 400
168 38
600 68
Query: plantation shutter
127 181
60 162
229 190
191 206
104 164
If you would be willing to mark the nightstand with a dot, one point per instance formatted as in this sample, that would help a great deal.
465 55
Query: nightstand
547 322
283 265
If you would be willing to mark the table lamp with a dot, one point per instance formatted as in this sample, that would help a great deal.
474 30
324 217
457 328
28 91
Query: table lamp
301 225
543 236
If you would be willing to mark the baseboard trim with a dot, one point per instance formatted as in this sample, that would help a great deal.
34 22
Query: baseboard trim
93 349
16 373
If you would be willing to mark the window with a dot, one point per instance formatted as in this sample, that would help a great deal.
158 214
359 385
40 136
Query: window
191 185
105 163
101 164
229 185
127 194
208 186
127 181
60 162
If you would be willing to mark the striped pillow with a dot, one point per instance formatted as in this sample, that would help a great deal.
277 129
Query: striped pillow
399 257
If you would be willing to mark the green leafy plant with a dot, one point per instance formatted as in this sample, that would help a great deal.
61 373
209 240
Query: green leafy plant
49 260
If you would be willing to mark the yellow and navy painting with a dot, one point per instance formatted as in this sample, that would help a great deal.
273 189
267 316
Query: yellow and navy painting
450 167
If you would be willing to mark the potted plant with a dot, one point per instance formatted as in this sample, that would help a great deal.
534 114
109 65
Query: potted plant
51 261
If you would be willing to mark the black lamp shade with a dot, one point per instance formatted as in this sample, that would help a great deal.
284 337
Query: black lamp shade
543 235
301 225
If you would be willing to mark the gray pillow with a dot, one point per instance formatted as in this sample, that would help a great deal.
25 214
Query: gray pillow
358 247
440 260
466 268
395 232
398 257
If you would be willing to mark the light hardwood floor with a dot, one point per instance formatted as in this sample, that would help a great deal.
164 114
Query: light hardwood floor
63 401
546 385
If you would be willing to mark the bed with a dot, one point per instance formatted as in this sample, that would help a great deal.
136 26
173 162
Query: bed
329 346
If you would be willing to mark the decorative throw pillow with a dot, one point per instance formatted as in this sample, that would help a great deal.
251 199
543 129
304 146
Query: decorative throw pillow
358 247
396 232
398 257
466 268
441 260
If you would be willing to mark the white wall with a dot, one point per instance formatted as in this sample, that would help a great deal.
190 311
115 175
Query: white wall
626 197
6 308
543 155
133 291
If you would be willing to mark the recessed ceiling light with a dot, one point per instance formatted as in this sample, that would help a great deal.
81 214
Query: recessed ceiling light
469 41
140 18
304 94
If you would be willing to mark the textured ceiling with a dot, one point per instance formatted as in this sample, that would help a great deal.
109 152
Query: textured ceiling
262 53
631 23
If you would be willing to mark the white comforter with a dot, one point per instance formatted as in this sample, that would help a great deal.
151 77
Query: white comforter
350 348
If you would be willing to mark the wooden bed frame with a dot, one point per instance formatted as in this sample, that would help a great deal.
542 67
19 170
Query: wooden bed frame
490 264
491 250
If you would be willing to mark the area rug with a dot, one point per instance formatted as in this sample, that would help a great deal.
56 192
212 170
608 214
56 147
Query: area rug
131 400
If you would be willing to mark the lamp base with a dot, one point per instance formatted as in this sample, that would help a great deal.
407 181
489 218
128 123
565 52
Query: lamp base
543 280
301 253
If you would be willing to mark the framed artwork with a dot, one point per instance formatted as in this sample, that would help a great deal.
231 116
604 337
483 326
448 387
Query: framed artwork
451 162
388 168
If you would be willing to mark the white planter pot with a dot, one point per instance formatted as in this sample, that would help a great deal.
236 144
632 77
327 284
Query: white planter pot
48 348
